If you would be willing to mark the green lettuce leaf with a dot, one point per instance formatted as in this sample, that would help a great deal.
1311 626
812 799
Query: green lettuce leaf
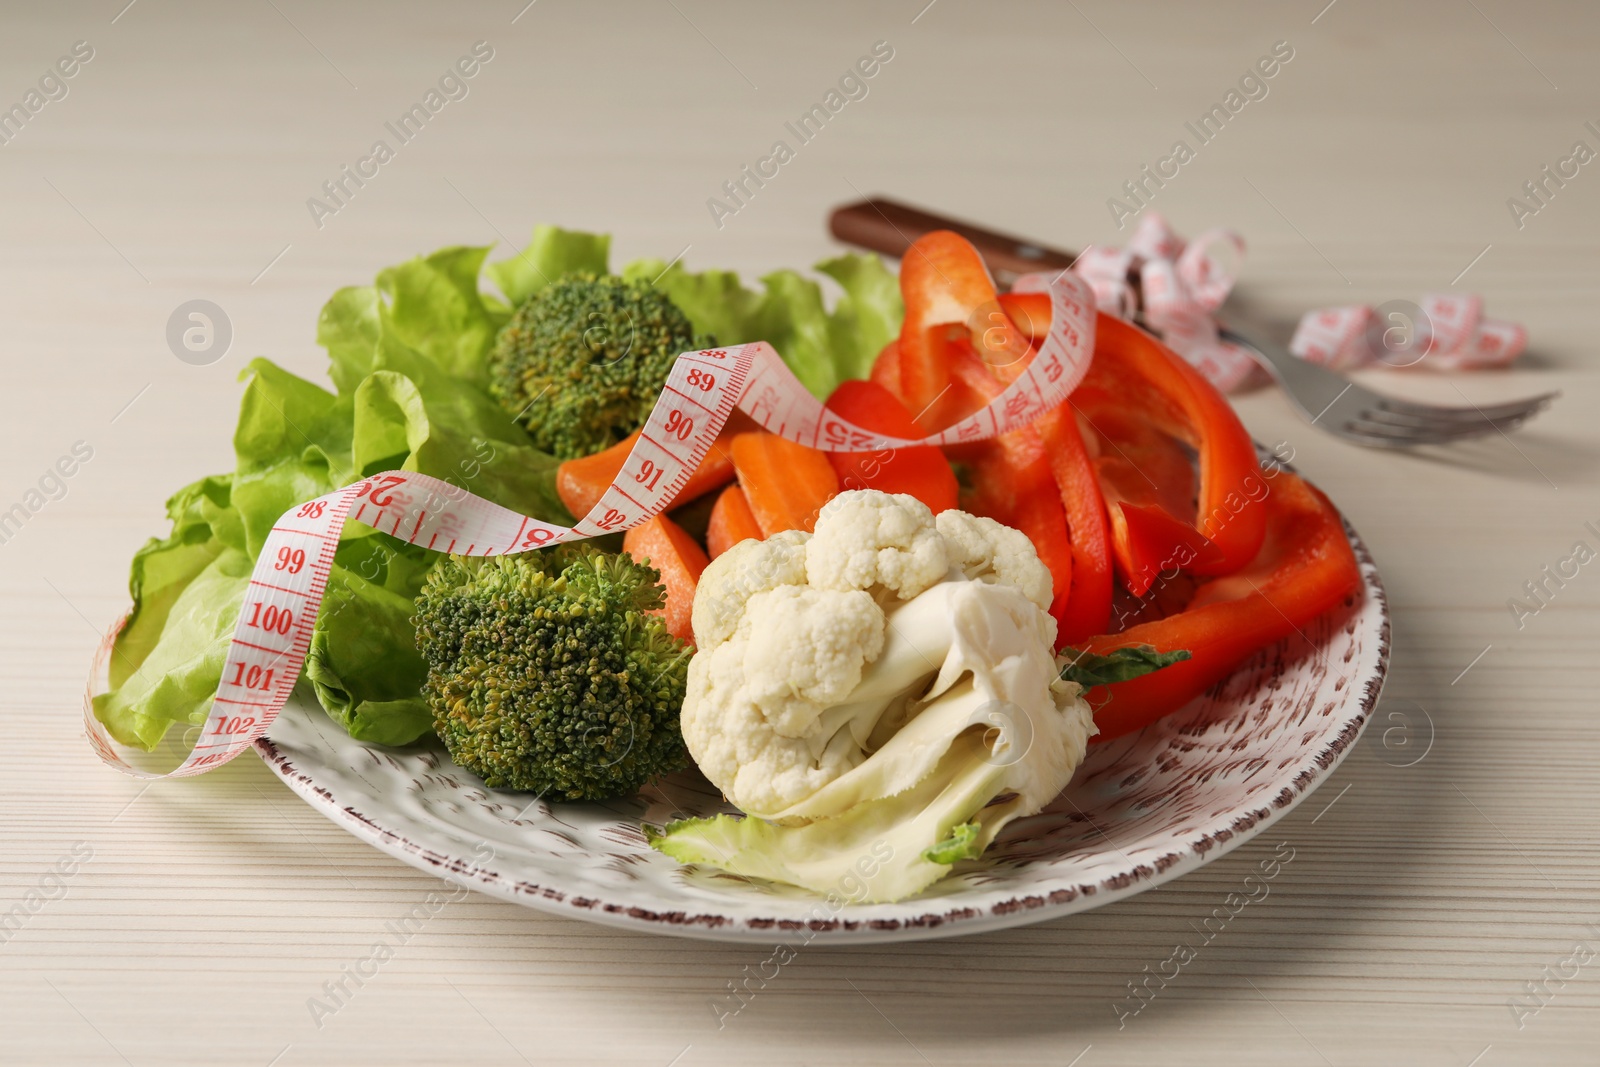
356 666
349 327
434 307
292 444
163 568
176 675
402 425
822 347
552 253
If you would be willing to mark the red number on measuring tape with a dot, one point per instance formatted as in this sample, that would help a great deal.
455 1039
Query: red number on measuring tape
701 380
290 559
310 510
236 725
679 425
649 474
271 618
380 495
838 435
537 536
252 676
611 519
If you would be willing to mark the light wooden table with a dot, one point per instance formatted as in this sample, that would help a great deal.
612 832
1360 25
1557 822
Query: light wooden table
1423 898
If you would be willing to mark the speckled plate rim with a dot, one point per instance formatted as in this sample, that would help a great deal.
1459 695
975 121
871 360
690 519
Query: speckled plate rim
954 918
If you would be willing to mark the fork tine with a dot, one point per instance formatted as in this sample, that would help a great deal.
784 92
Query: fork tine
1372 440
1352 411
1369 430
1431 423
1467 414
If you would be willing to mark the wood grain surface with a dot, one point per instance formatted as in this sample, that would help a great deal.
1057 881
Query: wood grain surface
1448 864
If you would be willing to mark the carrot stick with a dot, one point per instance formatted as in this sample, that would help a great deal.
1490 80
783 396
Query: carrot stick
732 521
668 548
582 482
786 483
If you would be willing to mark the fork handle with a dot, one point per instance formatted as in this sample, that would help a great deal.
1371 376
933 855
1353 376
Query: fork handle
890 227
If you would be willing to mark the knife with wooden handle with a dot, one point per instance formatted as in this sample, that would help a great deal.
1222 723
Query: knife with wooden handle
889 227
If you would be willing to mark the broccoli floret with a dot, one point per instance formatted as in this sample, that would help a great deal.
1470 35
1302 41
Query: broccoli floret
581 363
545 673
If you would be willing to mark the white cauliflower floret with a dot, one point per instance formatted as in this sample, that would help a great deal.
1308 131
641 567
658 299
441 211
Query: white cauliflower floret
886 683
988 551
807 651
748 568
868 539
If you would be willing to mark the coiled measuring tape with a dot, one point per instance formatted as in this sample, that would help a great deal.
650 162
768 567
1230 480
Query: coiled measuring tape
273 634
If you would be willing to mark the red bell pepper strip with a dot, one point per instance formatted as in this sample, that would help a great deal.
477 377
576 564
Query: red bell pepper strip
943 280
1069 531
1088 610
1148 483
920 471
886 369
1147 378
1305 567
947 288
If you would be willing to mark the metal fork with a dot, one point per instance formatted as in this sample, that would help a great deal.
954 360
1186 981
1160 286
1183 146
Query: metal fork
1329 400
1358 414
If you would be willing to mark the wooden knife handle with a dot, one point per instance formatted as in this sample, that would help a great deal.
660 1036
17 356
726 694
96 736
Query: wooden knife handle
890 227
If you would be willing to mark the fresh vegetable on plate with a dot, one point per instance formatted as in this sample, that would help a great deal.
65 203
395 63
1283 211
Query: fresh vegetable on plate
888 680
583 361
410 360
551 671
1304 568
892 652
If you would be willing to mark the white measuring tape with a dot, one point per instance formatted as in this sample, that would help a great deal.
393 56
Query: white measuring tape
274 630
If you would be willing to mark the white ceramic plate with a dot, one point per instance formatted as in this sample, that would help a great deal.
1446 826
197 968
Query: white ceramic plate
1140 811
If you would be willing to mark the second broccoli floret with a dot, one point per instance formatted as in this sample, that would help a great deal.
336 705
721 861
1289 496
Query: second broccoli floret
546 672
582 362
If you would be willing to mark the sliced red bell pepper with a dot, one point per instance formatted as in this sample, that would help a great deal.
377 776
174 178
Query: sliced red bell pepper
1148 483
957 336
886 368
921 471
943 280
1068 531
1305 567
1088 610
1159 387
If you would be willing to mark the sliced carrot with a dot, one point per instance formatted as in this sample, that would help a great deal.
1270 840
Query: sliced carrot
582 482
921 471
732 521
785 482
668 548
